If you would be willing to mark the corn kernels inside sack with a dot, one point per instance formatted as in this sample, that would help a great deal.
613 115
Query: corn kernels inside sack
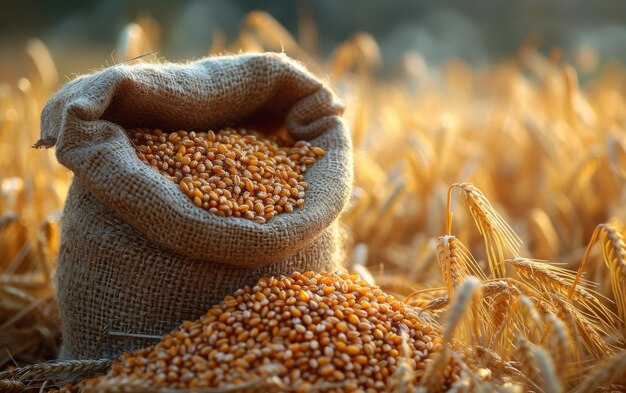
238 173
315 328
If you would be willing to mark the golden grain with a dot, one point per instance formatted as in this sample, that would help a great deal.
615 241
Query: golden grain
273 322
211 168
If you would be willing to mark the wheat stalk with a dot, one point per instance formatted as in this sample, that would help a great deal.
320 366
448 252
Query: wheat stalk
526 312
274 36
8 386
469 380
558 342
490 288
583 263
433 377
498 236
585 329
614 253
537 365
500 308
554 279
403 378
546 364
495 363
609 371
581 328
53 369
358 263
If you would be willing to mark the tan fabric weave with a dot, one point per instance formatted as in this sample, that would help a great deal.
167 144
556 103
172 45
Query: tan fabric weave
136 255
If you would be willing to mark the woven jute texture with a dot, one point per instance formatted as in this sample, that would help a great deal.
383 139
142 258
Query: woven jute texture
137 257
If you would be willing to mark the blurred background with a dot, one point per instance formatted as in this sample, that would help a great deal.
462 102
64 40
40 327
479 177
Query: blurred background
477 31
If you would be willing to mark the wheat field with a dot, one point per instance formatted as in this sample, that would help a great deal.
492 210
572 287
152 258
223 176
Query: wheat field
490 199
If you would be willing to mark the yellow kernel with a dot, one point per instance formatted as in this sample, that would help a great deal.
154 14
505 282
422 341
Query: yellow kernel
231 163
353 350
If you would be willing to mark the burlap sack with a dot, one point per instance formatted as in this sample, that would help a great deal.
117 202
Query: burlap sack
137 257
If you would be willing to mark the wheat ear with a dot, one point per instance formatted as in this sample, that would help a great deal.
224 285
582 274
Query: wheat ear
614 255
551 278
499 237
581 327
456 262
434 375
50 370
558 342
492 360
490 288
538 366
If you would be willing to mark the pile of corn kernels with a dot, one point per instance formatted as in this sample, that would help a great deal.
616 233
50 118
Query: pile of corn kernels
238 173
317 328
